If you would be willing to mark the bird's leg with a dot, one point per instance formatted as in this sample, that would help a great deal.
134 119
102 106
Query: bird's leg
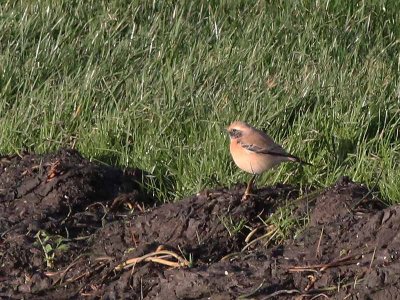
249 189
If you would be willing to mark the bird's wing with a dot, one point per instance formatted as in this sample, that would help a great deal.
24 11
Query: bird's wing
274 150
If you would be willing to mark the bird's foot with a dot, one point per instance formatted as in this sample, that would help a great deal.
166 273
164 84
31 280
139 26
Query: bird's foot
249 189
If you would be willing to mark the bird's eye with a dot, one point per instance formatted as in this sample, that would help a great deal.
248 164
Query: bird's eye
235 133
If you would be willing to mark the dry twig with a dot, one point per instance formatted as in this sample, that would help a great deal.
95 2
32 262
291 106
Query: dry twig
349 259
317 253
153 257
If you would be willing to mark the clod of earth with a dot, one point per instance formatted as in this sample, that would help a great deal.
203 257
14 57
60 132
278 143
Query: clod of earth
74 229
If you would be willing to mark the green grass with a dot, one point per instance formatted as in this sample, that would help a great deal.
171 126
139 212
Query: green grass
152 84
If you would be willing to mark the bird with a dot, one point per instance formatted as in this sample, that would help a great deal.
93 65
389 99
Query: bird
255 152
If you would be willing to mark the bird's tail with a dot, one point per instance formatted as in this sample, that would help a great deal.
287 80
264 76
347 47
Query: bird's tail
298 160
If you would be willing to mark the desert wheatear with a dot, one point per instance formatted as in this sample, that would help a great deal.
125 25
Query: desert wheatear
255 152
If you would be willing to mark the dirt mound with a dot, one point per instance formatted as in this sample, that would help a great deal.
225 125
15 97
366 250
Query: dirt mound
74 229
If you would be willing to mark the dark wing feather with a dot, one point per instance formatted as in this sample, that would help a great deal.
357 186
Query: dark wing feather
257 149
275 151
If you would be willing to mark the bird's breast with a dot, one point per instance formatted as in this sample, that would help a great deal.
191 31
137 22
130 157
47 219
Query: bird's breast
252 162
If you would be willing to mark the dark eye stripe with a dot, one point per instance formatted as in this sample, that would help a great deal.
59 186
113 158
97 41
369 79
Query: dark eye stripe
235 133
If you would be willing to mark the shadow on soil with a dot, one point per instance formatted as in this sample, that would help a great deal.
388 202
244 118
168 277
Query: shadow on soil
74 229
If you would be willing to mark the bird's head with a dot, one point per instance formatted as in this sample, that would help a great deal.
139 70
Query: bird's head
237 129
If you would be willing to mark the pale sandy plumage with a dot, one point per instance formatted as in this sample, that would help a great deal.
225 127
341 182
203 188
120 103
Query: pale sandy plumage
254 151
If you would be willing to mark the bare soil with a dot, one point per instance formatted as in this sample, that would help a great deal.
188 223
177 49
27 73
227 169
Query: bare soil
73 229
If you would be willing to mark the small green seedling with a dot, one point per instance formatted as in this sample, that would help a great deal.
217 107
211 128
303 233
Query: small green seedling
233 227
50 245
